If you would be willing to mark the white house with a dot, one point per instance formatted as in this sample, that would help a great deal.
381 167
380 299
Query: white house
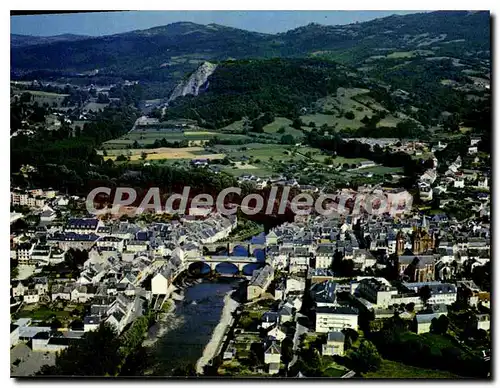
276 334
336 319
272 353
325 254
269 318
334 344
295 285
472 150
91 323
483 182
31 296
459 183
14 335
161 282
483 321
424 322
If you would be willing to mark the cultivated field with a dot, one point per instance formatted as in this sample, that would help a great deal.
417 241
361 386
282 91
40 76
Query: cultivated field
164 153
46 97
149 137
355 100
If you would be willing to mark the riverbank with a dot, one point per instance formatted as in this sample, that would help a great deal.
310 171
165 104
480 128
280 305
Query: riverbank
168 319
213 346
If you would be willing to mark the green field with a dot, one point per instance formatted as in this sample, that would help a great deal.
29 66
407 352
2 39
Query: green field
256 150
262 159
396 370
381 170
46 94
147 138
333 372
353 100
333 106
42 313
258 157
341 160
389 121
408 54
237 126
280 122
277 124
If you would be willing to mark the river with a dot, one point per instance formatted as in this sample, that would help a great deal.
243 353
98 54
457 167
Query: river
190 327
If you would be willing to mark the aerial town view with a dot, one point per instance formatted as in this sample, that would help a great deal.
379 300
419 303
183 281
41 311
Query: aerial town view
251 194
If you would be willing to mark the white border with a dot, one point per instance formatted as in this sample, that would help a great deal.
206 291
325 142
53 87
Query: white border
205 5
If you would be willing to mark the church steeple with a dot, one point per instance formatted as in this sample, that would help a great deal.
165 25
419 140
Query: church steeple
424 223
400 243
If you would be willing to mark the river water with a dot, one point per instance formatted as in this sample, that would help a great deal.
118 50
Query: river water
190 327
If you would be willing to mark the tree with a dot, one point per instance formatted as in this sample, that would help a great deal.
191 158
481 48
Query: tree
55 324
102 98
425 294
246 322
14 270
144 155
121 158
281 130
410 307
328 160
257 126
366 358
349 115
440 325
25 97
297 123
287 350
188 370
351 336
287 139
95 354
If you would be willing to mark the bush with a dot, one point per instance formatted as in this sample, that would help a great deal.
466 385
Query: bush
365 358
349 115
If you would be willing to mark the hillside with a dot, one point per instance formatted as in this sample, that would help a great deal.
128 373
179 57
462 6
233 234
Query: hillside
166 53
419 67
248 88
462 34
195 82
17 40
160 53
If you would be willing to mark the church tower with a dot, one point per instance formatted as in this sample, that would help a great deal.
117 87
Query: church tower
400 243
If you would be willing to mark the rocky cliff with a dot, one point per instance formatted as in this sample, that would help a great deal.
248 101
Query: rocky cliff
195 82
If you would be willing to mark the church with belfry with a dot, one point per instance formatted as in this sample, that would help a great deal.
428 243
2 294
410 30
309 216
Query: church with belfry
417 265
421 240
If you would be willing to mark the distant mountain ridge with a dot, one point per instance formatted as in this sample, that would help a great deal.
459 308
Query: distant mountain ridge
166 53
18 40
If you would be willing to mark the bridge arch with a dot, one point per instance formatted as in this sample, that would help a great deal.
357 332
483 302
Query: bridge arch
260 254
199 268
240 251
227 268
249 268
216 249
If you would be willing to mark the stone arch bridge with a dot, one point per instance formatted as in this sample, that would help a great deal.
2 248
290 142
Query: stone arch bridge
229 247
213 261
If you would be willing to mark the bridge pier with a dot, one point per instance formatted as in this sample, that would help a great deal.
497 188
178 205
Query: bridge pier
213 261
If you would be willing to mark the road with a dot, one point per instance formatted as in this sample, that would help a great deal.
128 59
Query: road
299 330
